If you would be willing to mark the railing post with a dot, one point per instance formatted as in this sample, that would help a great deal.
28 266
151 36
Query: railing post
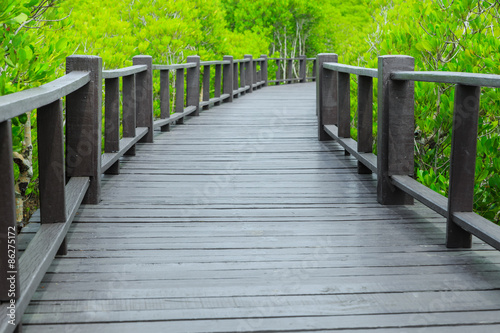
129 121
326 95
263 69
112 121
303 68
144 96
206 86
396 125
365 119
83 126
228 77
462 162
165 98
8 232
289 70
193 84
217 82
249 72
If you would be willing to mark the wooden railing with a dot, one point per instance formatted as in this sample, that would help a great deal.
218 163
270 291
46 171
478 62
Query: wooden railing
288 75
71 164
394 162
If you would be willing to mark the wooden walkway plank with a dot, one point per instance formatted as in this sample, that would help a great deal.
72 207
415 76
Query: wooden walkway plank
241 220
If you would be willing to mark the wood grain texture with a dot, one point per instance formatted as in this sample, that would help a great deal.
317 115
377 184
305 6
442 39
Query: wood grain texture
16 104
344 105
227 78
84 125
263 69
193 84
242 220
112 121
326 95
165 98
463 161
52 175
365 119
218 83
121 72
179 93
144 95
395 128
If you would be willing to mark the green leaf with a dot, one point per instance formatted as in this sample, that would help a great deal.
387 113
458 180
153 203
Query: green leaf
61 44
21 18
9 62
23 118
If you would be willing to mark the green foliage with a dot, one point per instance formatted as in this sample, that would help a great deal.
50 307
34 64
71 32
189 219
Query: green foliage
27 60
443 35
169 31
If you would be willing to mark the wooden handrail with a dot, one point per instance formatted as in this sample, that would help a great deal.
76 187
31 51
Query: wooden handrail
116 73
394 161
467 79
173 67
18 103
215 62
371 72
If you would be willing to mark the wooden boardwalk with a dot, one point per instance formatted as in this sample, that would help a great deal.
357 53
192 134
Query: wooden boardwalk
241 220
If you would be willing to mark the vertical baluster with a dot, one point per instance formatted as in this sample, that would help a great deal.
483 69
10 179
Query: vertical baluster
112 121
217 82
84 126
235 79
228 78
206 85
243 79
365 119
344 106
129 110
314 70
193 84
289 71
303 68
179 93
8 219
396 125
278 71
326 95
463 162
52 175
249 72
263 69
144 96
165 98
